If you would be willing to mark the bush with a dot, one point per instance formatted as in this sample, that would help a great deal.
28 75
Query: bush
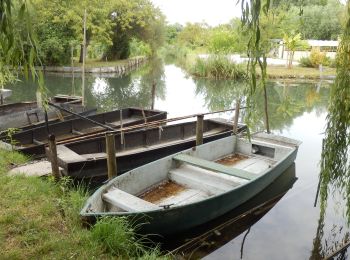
316 59
139 48
305 62
218 67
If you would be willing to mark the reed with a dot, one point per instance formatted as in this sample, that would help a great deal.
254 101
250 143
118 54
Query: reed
218 67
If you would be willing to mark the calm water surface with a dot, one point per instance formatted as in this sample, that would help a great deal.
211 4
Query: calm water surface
293 228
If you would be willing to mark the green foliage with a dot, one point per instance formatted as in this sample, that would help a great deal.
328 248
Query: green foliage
218 67
172 32
117 236
139 48
221 41
316 59
194 35
18 42
135 19
321 21
293 42
44 222
335 163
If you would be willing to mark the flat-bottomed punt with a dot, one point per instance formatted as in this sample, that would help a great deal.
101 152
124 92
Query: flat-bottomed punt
33 141
192 187
88 158
26 115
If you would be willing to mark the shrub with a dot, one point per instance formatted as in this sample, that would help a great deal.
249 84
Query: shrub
305 62
218 67
317 58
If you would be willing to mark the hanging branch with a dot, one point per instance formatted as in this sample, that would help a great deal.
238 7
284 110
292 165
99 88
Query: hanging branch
335 162
251 11
18 43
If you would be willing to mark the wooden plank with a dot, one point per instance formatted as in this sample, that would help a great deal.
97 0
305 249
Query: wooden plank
67 155
127 201
214 166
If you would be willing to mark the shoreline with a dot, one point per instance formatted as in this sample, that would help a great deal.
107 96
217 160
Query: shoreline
119 67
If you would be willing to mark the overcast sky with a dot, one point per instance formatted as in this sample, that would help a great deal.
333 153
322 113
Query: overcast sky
213 12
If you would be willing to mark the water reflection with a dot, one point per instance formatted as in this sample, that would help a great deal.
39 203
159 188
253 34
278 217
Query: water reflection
215 234
295 229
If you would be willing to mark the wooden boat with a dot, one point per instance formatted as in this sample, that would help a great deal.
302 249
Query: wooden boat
33 141
28 114
205 239
192 187
87 158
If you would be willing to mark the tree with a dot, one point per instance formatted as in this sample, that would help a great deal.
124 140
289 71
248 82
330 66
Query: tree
18 44
193 35
293 42
172 32
321 22
134 19
222 41
59 25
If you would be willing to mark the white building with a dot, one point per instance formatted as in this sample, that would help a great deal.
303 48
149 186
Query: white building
329 47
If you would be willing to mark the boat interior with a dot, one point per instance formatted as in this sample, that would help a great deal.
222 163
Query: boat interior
140 140
77 127
190 177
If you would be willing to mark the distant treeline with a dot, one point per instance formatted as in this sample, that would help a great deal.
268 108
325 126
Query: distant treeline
115 29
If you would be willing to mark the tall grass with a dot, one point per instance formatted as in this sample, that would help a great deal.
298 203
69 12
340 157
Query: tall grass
218 67
40 220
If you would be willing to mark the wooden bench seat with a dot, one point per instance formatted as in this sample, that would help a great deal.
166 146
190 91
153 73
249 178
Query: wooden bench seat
214 166
127 201
208 181
67 155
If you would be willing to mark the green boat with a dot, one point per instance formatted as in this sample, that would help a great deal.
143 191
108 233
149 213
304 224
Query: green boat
192 187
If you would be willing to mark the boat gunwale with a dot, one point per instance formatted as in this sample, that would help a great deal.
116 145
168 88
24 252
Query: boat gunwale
84 212
155 113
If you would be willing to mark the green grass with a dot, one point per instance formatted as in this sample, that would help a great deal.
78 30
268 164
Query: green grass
298 72
40 220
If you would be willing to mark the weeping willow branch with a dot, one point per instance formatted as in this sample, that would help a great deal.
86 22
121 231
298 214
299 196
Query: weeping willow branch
18 44
335 161
251 11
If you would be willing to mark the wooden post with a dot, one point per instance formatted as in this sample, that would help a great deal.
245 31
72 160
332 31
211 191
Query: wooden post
53 153
72 62
235 122
153 94
83 68
199 130
111 160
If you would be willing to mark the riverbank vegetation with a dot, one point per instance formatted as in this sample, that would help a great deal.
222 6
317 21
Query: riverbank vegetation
196 45
114 29
40 219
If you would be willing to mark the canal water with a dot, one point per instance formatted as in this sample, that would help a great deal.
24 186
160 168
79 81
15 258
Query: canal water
288 226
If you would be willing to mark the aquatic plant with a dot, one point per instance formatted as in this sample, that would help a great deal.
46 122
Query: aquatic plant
217 67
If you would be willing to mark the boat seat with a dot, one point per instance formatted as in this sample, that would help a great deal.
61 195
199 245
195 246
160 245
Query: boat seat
214 166
205 180
127 201
67 155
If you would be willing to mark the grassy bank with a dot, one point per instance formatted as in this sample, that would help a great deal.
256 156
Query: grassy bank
276 72
40 220
221 68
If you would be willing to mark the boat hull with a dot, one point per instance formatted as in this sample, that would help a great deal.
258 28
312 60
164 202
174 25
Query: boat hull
28 114
172 142
181 218
33 141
